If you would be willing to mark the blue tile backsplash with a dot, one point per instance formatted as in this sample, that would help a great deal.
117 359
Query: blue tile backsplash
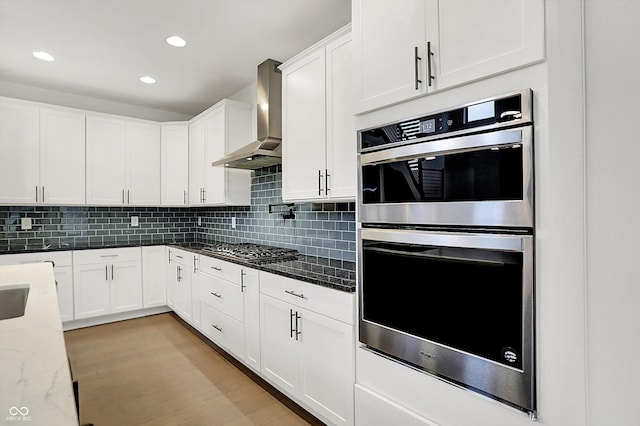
319 229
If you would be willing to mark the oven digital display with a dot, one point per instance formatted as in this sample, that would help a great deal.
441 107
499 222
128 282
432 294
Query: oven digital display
428 126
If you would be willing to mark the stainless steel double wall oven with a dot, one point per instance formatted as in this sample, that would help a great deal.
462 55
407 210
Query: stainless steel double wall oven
446 275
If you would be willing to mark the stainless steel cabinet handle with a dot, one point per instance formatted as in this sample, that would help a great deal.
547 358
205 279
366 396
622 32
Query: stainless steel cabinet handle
43 193
109 255
204 195
298 332
326 181
195 264
291 323
112 271
184 197
128 197
36 193
216 268
217 328
293 293
319 182
430 76
416 61
123 196
242 286
178 256
106 272
178 270
169 256
219 296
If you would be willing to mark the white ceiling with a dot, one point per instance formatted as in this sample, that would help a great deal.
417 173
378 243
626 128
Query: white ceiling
103 47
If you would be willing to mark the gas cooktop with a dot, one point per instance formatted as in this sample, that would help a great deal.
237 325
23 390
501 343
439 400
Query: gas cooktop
252 253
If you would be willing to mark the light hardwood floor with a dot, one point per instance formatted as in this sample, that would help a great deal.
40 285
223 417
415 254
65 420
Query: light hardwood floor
155 371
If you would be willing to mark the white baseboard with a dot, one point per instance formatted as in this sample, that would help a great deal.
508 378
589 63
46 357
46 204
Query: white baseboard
88 322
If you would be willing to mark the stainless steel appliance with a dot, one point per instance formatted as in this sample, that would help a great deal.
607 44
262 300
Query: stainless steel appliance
446 246
266 150
252 253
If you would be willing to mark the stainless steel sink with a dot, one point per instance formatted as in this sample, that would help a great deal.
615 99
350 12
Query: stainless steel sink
13 300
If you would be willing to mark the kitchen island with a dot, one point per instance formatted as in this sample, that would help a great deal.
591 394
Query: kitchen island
35 381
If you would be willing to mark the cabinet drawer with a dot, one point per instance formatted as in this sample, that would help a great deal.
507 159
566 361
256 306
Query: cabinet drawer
181 257
323 300
373 410
220 268
222 330
223 295
59 258
88 257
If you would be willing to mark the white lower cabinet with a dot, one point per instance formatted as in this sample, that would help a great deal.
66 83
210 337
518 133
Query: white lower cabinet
154 277
179 278
62 270
106 281
305 352
373 409
226 307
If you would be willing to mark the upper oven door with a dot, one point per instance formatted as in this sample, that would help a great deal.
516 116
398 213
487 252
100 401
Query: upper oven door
483 179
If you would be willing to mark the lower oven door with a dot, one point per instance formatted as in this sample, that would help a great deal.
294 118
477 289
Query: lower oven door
457 305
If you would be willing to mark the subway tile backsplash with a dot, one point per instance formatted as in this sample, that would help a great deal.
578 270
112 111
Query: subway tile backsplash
319 229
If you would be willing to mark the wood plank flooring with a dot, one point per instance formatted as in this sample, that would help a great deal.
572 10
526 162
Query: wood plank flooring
155 371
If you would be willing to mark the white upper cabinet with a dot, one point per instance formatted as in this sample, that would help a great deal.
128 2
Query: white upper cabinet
123 161
386 35
407 48
143 163
216 132
319 146
174 169
42 157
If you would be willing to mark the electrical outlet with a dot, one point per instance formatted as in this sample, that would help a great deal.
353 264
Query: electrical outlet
233 222
25 223
134 221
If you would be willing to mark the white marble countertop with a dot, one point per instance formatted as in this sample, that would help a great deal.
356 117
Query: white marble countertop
35 382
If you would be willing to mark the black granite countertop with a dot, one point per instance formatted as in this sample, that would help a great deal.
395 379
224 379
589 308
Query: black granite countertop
332 273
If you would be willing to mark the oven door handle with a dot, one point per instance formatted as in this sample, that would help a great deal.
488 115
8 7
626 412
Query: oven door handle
500 138
506 242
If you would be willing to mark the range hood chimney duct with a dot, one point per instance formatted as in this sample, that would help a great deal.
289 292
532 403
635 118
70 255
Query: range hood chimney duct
266 150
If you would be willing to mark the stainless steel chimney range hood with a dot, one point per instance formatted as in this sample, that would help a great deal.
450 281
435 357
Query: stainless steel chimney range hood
267 149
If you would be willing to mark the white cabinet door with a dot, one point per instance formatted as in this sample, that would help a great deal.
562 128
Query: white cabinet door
182 297
385 36
125 286
91 294
483 37
304 128
215 143
106 161
372 409
62 156
341 131
64 286
279 355
251 285
154 276
19 153
143 163
196 158
174 170
327 369
172 284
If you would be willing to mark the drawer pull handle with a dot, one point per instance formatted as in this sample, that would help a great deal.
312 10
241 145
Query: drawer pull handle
219 296
216 268
109 255
178 256
217 328
293 293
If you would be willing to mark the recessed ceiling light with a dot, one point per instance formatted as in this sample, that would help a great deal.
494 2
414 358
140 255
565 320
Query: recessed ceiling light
43 56
176 41
147 79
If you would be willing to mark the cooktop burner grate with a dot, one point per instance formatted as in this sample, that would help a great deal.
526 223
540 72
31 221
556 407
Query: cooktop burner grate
253 253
